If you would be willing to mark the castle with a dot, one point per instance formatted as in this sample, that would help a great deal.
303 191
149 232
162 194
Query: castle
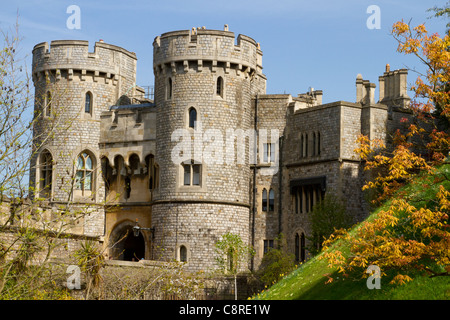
211 153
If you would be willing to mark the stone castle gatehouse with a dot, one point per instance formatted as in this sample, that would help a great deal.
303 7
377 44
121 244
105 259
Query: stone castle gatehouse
211 153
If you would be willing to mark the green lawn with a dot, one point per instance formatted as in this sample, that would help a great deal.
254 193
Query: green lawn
308 281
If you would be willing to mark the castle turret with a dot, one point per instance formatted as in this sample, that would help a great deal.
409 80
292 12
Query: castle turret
72 88
204 84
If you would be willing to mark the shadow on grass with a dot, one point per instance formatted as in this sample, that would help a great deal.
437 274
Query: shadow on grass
355 288
349 288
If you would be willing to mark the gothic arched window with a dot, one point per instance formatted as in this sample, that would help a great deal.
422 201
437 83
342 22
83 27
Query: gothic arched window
85 167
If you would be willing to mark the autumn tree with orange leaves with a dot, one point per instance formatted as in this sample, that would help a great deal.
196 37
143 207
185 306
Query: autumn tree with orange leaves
412 232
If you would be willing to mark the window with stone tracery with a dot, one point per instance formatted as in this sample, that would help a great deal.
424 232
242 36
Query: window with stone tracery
191 173
84 175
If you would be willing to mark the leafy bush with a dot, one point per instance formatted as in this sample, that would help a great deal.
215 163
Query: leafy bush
276 263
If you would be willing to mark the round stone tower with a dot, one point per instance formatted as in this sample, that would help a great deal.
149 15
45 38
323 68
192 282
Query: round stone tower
72 88
204 84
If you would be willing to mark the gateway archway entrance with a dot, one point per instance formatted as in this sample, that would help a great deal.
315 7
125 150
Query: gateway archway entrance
127 247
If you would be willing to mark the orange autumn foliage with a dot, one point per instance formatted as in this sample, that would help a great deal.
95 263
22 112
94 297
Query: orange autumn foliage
411 233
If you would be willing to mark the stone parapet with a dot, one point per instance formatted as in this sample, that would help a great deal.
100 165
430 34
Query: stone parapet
202 48
71 60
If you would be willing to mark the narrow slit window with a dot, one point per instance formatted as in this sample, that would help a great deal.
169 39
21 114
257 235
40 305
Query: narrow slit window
301 146
301 200
306 145
306 200
183 254
296 201
264 200
219 87
192 118
314 144
48 107
88 103
169 89
318 143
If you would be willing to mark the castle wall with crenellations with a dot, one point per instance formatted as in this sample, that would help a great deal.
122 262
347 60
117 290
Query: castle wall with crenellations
139 167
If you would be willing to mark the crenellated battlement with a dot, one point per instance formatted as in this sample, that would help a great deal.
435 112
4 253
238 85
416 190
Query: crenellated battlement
200 49
71 59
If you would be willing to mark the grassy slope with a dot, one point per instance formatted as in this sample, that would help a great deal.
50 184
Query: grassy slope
308 281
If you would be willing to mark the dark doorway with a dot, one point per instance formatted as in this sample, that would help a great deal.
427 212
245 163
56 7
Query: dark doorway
134 247
129 247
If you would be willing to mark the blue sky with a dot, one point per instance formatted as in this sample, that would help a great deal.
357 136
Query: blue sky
322 44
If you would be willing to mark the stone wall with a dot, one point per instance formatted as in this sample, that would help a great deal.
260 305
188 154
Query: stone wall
331 131
271 118
57 233
196 226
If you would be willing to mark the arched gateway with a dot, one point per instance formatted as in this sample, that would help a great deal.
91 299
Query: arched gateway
124 245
